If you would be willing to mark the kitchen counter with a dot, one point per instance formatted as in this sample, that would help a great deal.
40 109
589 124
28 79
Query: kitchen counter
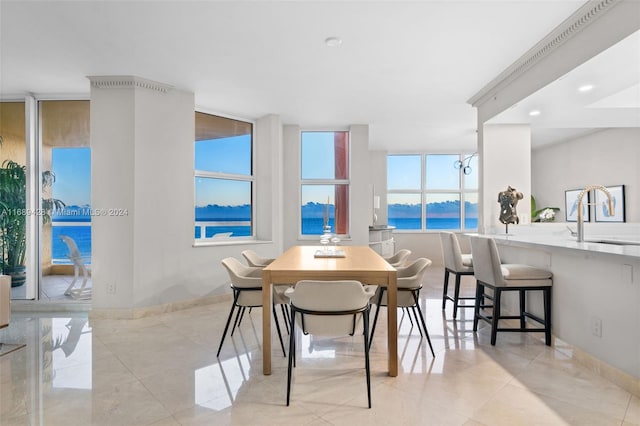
596 288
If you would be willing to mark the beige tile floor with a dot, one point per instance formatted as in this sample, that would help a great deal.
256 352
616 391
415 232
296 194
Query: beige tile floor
162 370
52 289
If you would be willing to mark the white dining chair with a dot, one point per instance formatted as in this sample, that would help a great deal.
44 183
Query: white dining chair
330 308
409 283
246 283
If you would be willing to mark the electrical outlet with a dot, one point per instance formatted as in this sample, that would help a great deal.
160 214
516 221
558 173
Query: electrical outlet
596 326
111 288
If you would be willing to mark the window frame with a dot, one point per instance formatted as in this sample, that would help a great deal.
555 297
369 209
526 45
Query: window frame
462 191
302 182
227 176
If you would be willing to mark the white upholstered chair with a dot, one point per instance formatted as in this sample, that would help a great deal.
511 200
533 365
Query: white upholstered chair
254 259
454 263
399 258
330 308
490 273
246 283
80 265
409 281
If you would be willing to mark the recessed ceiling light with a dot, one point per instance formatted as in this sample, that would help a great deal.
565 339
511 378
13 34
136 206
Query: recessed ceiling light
585 88
534 113
333 41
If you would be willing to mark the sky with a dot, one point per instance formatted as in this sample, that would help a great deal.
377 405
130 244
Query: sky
72 168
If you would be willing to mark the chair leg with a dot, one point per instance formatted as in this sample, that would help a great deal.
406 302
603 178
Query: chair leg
226 327
285 315
365 316
292 351
523 308
284 354
424 325
413 308
236 323
409 315
456 296
496 315
375 318
445 288
479 300
547 316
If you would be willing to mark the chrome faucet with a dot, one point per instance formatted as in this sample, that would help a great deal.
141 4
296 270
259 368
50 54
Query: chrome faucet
580 237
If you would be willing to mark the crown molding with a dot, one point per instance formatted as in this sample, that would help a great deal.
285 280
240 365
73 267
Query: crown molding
127 82
573 25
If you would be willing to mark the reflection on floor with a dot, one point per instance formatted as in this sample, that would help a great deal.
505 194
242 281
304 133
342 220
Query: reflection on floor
162 370
53 288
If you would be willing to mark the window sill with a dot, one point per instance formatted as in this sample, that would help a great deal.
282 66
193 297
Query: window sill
229 243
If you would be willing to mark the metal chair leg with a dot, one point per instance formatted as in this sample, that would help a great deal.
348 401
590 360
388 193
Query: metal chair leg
226 327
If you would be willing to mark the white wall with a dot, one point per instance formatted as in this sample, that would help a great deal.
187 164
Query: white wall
505 160
607 157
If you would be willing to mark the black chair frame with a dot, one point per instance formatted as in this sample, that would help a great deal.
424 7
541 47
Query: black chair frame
496 316
292 339
240 315
415 293
456 291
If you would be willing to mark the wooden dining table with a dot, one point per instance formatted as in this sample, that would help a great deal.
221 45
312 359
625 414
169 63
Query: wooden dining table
359 263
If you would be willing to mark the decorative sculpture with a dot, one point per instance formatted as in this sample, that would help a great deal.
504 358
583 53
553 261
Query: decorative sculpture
508 200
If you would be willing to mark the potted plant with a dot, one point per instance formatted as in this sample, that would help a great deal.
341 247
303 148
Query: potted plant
13 217
545 214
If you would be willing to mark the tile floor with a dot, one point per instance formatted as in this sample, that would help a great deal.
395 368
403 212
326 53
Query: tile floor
162 370
53 288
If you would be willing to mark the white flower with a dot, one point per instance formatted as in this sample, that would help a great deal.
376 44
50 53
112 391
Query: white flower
547 215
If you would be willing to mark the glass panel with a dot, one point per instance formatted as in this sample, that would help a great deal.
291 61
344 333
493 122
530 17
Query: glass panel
471 210
66 158
323 204
13 201
225 155
403 172
324 155
72 170
441 173
404 211
223 206
443 211
471 180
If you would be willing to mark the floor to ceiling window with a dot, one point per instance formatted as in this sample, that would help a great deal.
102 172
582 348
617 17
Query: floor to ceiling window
66 158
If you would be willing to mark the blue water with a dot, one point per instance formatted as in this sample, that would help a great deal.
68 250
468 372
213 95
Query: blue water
80 234
312 226
433 223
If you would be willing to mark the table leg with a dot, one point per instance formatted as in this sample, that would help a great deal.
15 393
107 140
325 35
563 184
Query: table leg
266 322
392 324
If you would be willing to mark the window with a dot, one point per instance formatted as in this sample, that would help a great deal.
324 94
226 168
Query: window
428 192
324 187
224 181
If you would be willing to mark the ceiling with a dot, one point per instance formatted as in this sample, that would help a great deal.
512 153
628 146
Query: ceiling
601 93
405 68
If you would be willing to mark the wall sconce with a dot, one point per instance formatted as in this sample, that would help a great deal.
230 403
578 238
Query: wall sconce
460 164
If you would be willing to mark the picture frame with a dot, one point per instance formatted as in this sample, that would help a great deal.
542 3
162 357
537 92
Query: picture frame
601 210
571 205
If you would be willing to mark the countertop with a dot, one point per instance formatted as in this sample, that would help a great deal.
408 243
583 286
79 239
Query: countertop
599 244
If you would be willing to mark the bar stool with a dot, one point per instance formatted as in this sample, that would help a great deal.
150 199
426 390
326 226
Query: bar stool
455 263
489 272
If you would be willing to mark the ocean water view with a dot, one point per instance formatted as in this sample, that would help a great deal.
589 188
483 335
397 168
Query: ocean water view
80 234
314 226
311 226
